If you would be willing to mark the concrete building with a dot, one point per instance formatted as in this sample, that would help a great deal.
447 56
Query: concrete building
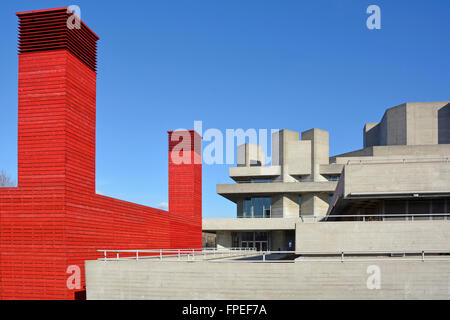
383 235
299 183
402 173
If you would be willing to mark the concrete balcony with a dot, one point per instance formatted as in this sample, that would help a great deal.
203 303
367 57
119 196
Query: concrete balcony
235 191
239 173
249 224
334 168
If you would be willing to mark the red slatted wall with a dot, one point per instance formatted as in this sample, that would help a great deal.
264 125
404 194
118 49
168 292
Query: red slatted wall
54 219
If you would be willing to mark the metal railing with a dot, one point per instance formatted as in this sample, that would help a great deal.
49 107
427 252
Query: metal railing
178 254
264 216
251 255
376 255
397 160
390 216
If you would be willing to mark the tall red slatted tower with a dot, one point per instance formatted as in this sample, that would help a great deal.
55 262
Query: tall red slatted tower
54 219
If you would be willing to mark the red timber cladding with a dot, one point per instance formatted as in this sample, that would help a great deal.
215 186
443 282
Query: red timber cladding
32 247
54 219
185 189
42 114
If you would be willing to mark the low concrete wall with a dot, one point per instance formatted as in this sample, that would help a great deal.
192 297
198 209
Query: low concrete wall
302 280
249 224
376 235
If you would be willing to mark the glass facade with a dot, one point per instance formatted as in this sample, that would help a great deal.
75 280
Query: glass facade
259 207
258 240
261 180
300 206
418 209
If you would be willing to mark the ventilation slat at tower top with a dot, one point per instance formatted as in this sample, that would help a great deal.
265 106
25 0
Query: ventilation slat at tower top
47 30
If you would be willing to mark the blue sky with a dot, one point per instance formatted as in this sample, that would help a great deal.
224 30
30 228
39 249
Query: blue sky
237 64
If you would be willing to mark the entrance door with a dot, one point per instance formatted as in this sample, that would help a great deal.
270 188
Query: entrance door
264 246
261 245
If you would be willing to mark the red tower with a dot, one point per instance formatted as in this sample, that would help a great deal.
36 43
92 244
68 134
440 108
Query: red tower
54 220
185 188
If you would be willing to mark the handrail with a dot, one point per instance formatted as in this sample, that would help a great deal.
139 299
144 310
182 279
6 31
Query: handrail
383 215
185 252
341 255
394 160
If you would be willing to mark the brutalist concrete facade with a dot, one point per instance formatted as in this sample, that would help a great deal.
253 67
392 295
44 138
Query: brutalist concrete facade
402 173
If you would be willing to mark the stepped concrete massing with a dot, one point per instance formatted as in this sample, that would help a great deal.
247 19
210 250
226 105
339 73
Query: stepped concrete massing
401 174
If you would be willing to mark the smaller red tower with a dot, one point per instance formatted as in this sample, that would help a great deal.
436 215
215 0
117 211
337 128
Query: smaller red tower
185 189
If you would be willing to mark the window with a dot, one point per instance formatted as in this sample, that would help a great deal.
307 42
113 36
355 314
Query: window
261 180
394 207
438 207
333 178
247 208
255 163
257 207
300 206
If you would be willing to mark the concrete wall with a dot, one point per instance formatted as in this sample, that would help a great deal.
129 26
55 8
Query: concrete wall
248 152
371 134
397 177
321 204
416 123
299 158
276 210
307 204
285 206
251 224
376 235
275 281
319 151
422 123
395 152
224 239
393 126
444 124
314 204
291 209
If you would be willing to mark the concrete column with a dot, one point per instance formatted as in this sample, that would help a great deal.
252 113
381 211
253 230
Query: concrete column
280 141
277 206
319 153
277 240
314 204
307 204
291 209
223 239
248 153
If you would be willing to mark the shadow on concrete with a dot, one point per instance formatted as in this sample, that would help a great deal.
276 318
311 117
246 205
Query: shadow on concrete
271 256
444 125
